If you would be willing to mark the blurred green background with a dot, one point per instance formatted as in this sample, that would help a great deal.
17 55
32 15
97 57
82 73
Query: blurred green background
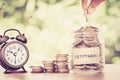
49 25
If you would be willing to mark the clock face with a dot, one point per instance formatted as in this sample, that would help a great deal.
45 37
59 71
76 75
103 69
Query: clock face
15 54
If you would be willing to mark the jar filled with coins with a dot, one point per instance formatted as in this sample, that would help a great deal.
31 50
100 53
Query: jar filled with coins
87 50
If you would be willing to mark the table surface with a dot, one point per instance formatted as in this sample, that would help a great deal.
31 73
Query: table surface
111 72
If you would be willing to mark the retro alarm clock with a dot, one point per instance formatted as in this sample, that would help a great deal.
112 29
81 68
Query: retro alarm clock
13 53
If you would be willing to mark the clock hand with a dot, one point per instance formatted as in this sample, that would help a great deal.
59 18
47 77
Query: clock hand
17 51
15 57
15 60
11 52
15 54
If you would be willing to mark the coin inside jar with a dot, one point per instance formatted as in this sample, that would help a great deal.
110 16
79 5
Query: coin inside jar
77 41
78 66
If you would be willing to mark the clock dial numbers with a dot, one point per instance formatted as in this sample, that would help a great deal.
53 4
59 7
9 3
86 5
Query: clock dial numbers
10 48
15 54
7 54
18 61
8 58
11 60
14 47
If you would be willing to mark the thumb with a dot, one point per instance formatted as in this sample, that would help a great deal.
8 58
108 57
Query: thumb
93 5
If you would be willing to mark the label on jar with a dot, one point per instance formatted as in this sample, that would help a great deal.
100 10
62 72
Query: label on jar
85 55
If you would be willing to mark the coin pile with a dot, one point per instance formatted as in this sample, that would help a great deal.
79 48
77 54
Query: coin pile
49 66
37 69
62 63
87 37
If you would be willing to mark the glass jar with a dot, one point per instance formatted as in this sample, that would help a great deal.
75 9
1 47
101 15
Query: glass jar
87 50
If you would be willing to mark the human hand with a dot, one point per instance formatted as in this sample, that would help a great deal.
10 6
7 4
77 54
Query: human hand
90 8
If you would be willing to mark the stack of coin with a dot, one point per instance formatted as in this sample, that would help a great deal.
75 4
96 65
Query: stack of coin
62 63
37 69
49 66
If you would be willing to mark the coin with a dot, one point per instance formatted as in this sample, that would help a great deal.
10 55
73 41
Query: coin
37 69
63 70
62 57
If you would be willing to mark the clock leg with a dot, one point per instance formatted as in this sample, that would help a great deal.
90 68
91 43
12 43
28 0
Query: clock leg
24 69
6 71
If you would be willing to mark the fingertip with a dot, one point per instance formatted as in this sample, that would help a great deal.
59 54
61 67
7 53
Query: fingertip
90 11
